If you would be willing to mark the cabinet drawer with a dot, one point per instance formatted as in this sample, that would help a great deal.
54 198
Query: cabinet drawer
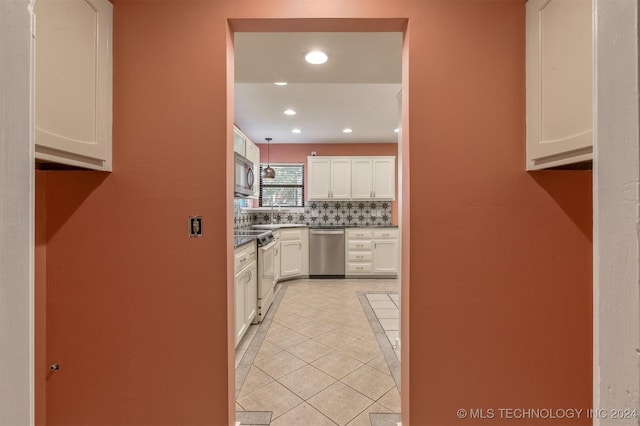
244 257
290 234
359 245
359 268
353 234
385 233
360 256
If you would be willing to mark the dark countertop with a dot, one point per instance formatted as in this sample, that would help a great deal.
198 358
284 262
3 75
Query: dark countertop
330 226
240 241
351 226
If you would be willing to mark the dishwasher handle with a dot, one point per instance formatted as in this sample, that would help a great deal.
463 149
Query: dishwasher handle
327 231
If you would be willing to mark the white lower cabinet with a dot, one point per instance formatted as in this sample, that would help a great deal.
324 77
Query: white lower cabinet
294 252
385 257
372 252
245 288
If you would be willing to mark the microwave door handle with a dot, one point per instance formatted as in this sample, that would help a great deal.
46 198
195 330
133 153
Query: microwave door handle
250 178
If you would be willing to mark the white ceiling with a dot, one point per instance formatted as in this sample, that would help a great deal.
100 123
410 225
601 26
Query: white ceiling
356 88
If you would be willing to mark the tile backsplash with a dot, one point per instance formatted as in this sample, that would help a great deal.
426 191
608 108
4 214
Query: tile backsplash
320 213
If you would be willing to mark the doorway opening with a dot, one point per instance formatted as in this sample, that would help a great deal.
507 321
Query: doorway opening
328 362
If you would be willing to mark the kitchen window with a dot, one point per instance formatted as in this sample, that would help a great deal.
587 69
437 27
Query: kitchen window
286 190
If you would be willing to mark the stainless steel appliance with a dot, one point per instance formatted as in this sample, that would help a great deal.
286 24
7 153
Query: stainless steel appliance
244 176
326 252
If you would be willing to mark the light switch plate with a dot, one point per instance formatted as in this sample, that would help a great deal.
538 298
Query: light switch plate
195 226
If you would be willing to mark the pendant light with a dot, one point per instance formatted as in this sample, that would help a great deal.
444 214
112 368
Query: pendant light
268 173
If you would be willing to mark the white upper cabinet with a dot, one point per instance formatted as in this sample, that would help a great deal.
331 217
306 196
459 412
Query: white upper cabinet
559 82
239 140
329 178
362 181
373 178
352 178
73 82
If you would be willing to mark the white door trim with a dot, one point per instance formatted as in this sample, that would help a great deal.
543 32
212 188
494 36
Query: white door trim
16 213
616 201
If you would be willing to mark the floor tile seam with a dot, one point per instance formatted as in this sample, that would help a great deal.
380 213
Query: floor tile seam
310 396
273 379
356 390
374 400
365 409
382 371
388 408
274 418
371 366
296 369
306 363
303 402
334 422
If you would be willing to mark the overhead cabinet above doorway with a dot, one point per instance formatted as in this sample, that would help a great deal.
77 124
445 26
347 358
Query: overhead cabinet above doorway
73 82
352 178
559 83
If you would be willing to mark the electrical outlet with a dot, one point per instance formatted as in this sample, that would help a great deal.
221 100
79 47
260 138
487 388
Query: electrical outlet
315 213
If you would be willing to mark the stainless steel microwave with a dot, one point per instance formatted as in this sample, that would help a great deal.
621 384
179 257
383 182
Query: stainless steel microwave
244 176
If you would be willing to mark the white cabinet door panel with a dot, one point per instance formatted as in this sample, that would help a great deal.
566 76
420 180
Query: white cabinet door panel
250 280
361 179
290 258
319 178
384 178
385 257
559 82
73 82
340 179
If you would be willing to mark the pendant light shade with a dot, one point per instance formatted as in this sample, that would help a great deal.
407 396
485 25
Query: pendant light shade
268 173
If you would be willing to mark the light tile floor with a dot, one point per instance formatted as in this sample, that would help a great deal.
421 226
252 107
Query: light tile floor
322 356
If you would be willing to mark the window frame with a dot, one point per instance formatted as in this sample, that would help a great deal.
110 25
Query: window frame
301 186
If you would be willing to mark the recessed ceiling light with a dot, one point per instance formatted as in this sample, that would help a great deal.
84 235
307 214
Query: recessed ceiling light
316 57
289 111
397 130
280 83
296 131
347 130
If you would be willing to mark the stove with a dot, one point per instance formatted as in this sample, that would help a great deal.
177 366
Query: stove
263 237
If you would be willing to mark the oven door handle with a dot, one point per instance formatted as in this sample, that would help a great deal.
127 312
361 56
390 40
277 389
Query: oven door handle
268 246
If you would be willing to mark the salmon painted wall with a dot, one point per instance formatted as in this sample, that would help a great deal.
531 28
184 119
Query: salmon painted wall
40 300
298 153
499 268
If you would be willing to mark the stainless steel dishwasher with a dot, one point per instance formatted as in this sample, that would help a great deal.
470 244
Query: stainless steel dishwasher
326 252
